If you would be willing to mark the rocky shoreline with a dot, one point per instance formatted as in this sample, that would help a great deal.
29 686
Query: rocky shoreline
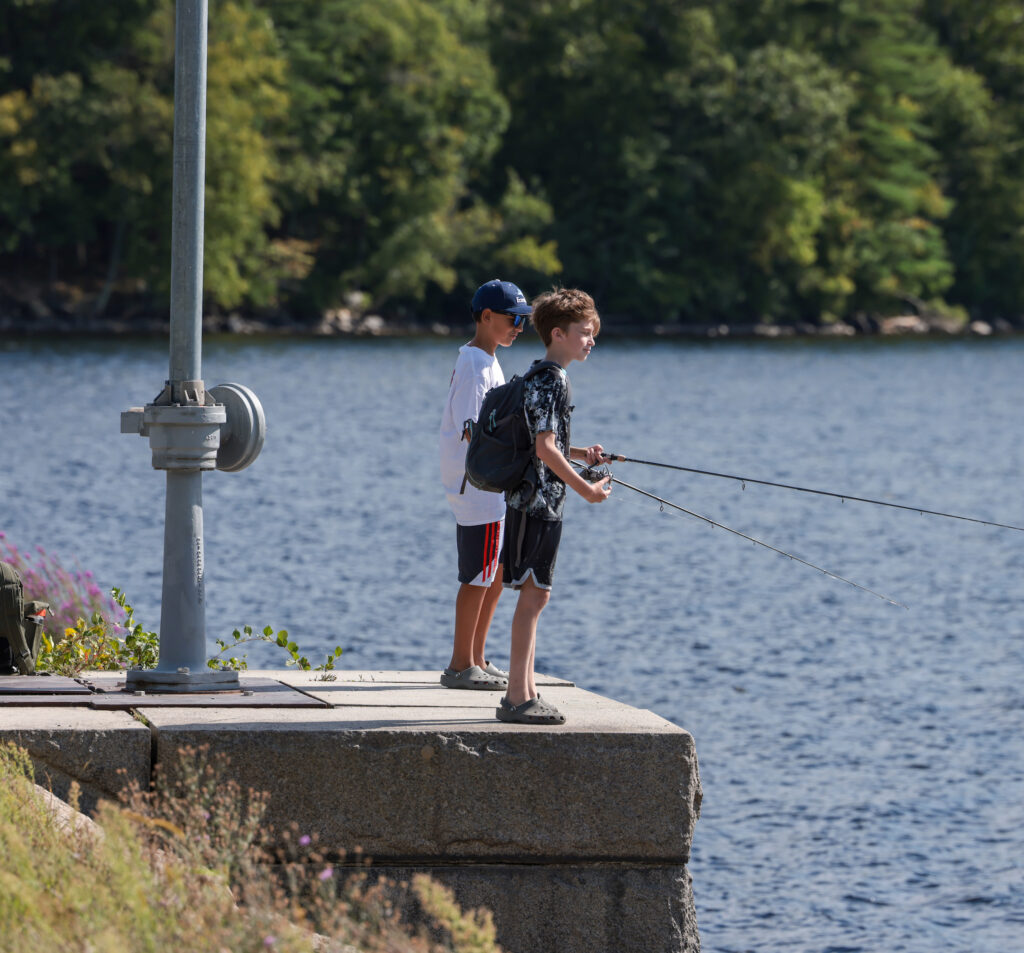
64 310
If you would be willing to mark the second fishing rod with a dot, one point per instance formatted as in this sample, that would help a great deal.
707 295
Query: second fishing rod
602 472
804 489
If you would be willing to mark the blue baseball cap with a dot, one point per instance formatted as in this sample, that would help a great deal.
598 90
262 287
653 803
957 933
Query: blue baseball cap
501 296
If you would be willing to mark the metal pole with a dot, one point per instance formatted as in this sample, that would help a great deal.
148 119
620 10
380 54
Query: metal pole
183 602
189 429
184 432
188 194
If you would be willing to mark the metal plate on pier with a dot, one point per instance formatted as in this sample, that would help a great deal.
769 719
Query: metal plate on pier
254 693
67 700
40 685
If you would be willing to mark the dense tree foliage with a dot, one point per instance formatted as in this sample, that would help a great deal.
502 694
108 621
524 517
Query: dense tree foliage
745 160
395 116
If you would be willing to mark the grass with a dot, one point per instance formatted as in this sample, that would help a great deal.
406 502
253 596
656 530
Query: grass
183 867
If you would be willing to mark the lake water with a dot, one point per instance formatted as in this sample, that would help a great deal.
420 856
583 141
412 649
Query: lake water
863 765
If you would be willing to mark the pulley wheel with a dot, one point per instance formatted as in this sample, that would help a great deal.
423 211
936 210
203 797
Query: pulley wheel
241 438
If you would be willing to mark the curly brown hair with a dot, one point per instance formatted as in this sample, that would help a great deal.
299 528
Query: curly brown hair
561 307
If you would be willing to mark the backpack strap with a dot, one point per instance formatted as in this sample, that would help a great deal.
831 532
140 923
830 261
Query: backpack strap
467 433
542 366
35 613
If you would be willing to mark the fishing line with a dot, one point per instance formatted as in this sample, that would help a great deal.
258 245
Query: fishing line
602 473
803 489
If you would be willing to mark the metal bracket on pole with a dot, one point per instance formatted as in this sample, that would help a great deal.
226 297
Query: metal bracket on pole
186 439
226 434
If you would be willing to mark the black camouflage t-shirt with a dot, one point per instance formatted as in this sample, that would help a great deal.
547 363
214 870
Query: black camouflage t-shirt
546 402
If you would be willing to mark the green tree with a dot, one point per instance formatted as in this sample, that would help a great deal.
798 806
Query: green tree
54 37
54 118
881 241
785 121
394 118
686 180
85 145
978 115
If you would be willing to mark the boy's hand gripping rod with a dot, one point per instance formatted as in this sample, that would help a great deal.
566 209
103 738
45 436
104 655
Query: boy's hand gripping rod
803 489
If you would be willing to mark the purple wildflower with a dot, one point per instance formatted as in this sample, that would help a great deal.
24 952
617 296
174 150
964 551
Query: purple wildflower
71 595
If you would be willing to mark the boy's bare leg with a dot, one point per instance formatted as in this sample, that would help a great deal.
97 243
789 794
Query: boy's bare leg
469 605
532 600
483 622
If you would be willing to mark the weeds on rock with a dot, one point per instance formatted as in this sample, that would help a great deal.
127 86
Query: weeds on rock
185 866
97 645
281 640
200 815
113 893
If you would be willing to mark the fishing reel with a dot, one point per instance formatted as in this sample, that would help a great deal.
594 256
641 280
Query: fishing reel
596 473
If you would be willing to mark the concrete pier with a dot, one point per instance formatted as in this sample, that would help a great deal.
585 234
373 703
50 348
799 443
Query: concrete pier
575 836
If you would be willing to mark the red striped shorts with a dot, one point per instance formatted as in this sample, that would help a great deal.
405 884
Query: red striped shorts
480 552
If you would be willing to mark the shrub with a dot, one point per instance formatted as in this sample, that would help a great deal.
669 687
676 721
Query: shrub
87 629
72 593
97 645
72 890
182 867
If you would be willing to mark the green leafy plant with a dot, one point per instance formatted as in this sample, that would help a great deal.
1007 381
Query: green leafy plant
96 645
141 648
281 639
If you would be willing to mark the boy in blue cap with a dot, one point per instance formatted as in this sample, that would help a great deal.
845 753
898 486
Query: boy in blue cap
501 312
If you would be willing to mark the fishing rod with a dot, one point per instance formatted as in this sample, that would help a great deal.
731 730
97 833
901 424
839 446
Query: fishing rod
598 473
803 489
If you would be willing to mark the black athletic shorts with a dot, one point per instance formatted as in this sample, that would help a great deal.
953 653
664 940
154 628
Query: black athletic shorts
531 547
479 552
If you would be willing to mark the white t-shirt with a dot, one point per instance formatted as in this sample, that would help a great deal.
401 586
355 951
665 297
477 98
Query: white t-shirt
476 372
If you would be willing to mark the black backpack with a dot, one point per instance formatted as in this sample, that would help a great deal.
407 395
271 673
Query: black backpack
20 625
500 453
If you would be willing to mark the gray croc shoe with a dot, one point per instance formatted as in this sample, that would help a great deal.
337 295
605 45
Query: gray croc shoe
531 712
473 677
491 669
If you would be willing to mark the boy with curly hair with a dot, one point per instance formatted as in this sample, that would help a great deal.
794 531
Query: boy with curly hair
568 323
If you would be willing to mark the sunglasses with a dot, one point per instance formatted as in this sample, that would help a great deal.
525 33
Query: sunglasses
518 320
